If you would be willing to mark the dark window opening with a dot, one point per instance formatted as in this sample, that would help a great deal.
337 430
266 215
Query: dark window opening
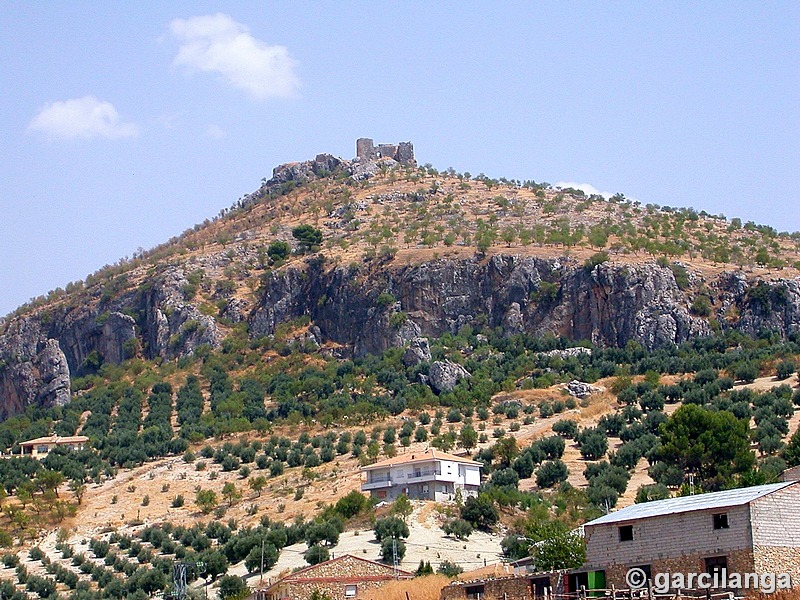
721 521
716 564
626 533
474 592
540 587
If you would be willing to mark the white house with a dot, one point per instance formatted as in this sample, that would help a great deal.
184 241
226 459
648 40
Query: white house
43 445
429 475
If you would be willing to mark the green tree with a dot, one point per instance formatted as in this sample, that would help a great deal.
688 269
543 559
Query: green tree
307 237
231 493
468 437
713 445
402 506
390 527
457 528
206 500
278 251
424 568
232 586
78 488
391 548
791 453
48 480
551 473
480 512
257 483
316 554
560 550
254 558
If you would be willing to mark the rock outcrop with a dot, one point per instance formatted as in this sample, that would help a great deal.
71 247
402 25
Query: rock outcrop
609 305
445 374
418 351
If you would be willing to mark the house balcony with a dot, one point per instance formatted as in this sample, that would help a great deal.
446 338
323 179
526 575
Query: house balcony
419 476
376 483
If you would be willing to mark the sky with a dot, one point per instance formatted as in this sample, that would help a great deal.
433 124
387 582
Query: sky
124 123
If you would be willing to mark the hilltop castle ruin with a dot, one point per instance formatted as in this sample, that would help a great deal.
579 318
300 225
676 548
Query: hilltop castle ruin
402 152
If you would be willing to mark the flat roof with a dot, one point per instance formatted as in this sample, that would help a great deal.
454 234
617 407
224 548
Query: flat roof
671 506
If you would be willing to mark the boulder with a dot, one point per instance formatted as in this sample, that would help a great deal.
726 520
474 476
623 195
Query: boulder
579 389
418 351
445 374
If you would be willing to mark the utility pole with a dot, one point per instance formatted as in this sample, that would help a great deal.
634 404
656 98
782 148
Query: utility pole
394 558
262 560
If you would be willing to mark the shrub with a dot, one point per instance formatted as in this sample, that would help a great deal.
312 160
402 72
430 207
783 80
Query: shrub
551 473
785 369
566 428
457 528
450 569
480 512
316 554
309 238
278 251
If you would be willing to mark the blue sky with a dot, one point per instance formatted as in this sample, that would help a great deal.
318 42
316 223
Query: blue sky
125 123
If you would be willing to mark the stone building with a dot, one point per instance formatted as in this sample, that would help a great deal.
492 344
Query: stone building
345 577
747 530
430 475
507 585
402 152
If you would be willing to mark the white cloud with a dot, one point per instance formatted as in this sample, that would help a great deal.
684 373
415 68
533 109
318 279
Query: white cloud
586 188
215 132
218 44
85 117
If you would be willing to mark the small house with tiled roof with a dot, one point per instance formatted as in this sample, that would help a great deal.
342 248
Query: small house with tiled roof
43 445
345 577
428 475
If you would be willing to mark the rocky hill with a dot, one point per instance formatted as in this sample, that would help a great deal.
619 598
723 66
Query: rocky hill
588 352
407 252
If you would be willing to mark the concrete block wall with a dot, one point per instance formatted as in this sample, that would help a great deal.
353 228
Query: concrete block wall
669 536
776 518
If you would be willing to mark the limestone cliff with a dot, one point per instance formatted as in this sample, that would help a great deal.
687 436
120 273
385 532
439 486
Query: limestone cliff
608 305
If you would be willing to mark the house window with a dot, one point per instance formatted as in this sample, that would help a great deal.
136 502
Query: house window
474 592
721 521
350 591
626 533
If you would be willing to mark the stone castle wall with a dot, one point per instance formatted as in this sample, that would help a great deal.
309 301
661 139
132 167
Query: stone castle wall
402 152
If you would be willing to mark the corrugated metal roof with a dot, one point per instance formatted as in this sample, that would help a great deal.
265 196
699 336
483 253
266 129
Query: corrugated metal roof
684 504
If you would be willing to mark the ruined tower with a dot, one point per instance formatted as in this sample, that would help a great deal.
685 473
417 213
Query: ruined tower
402 152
